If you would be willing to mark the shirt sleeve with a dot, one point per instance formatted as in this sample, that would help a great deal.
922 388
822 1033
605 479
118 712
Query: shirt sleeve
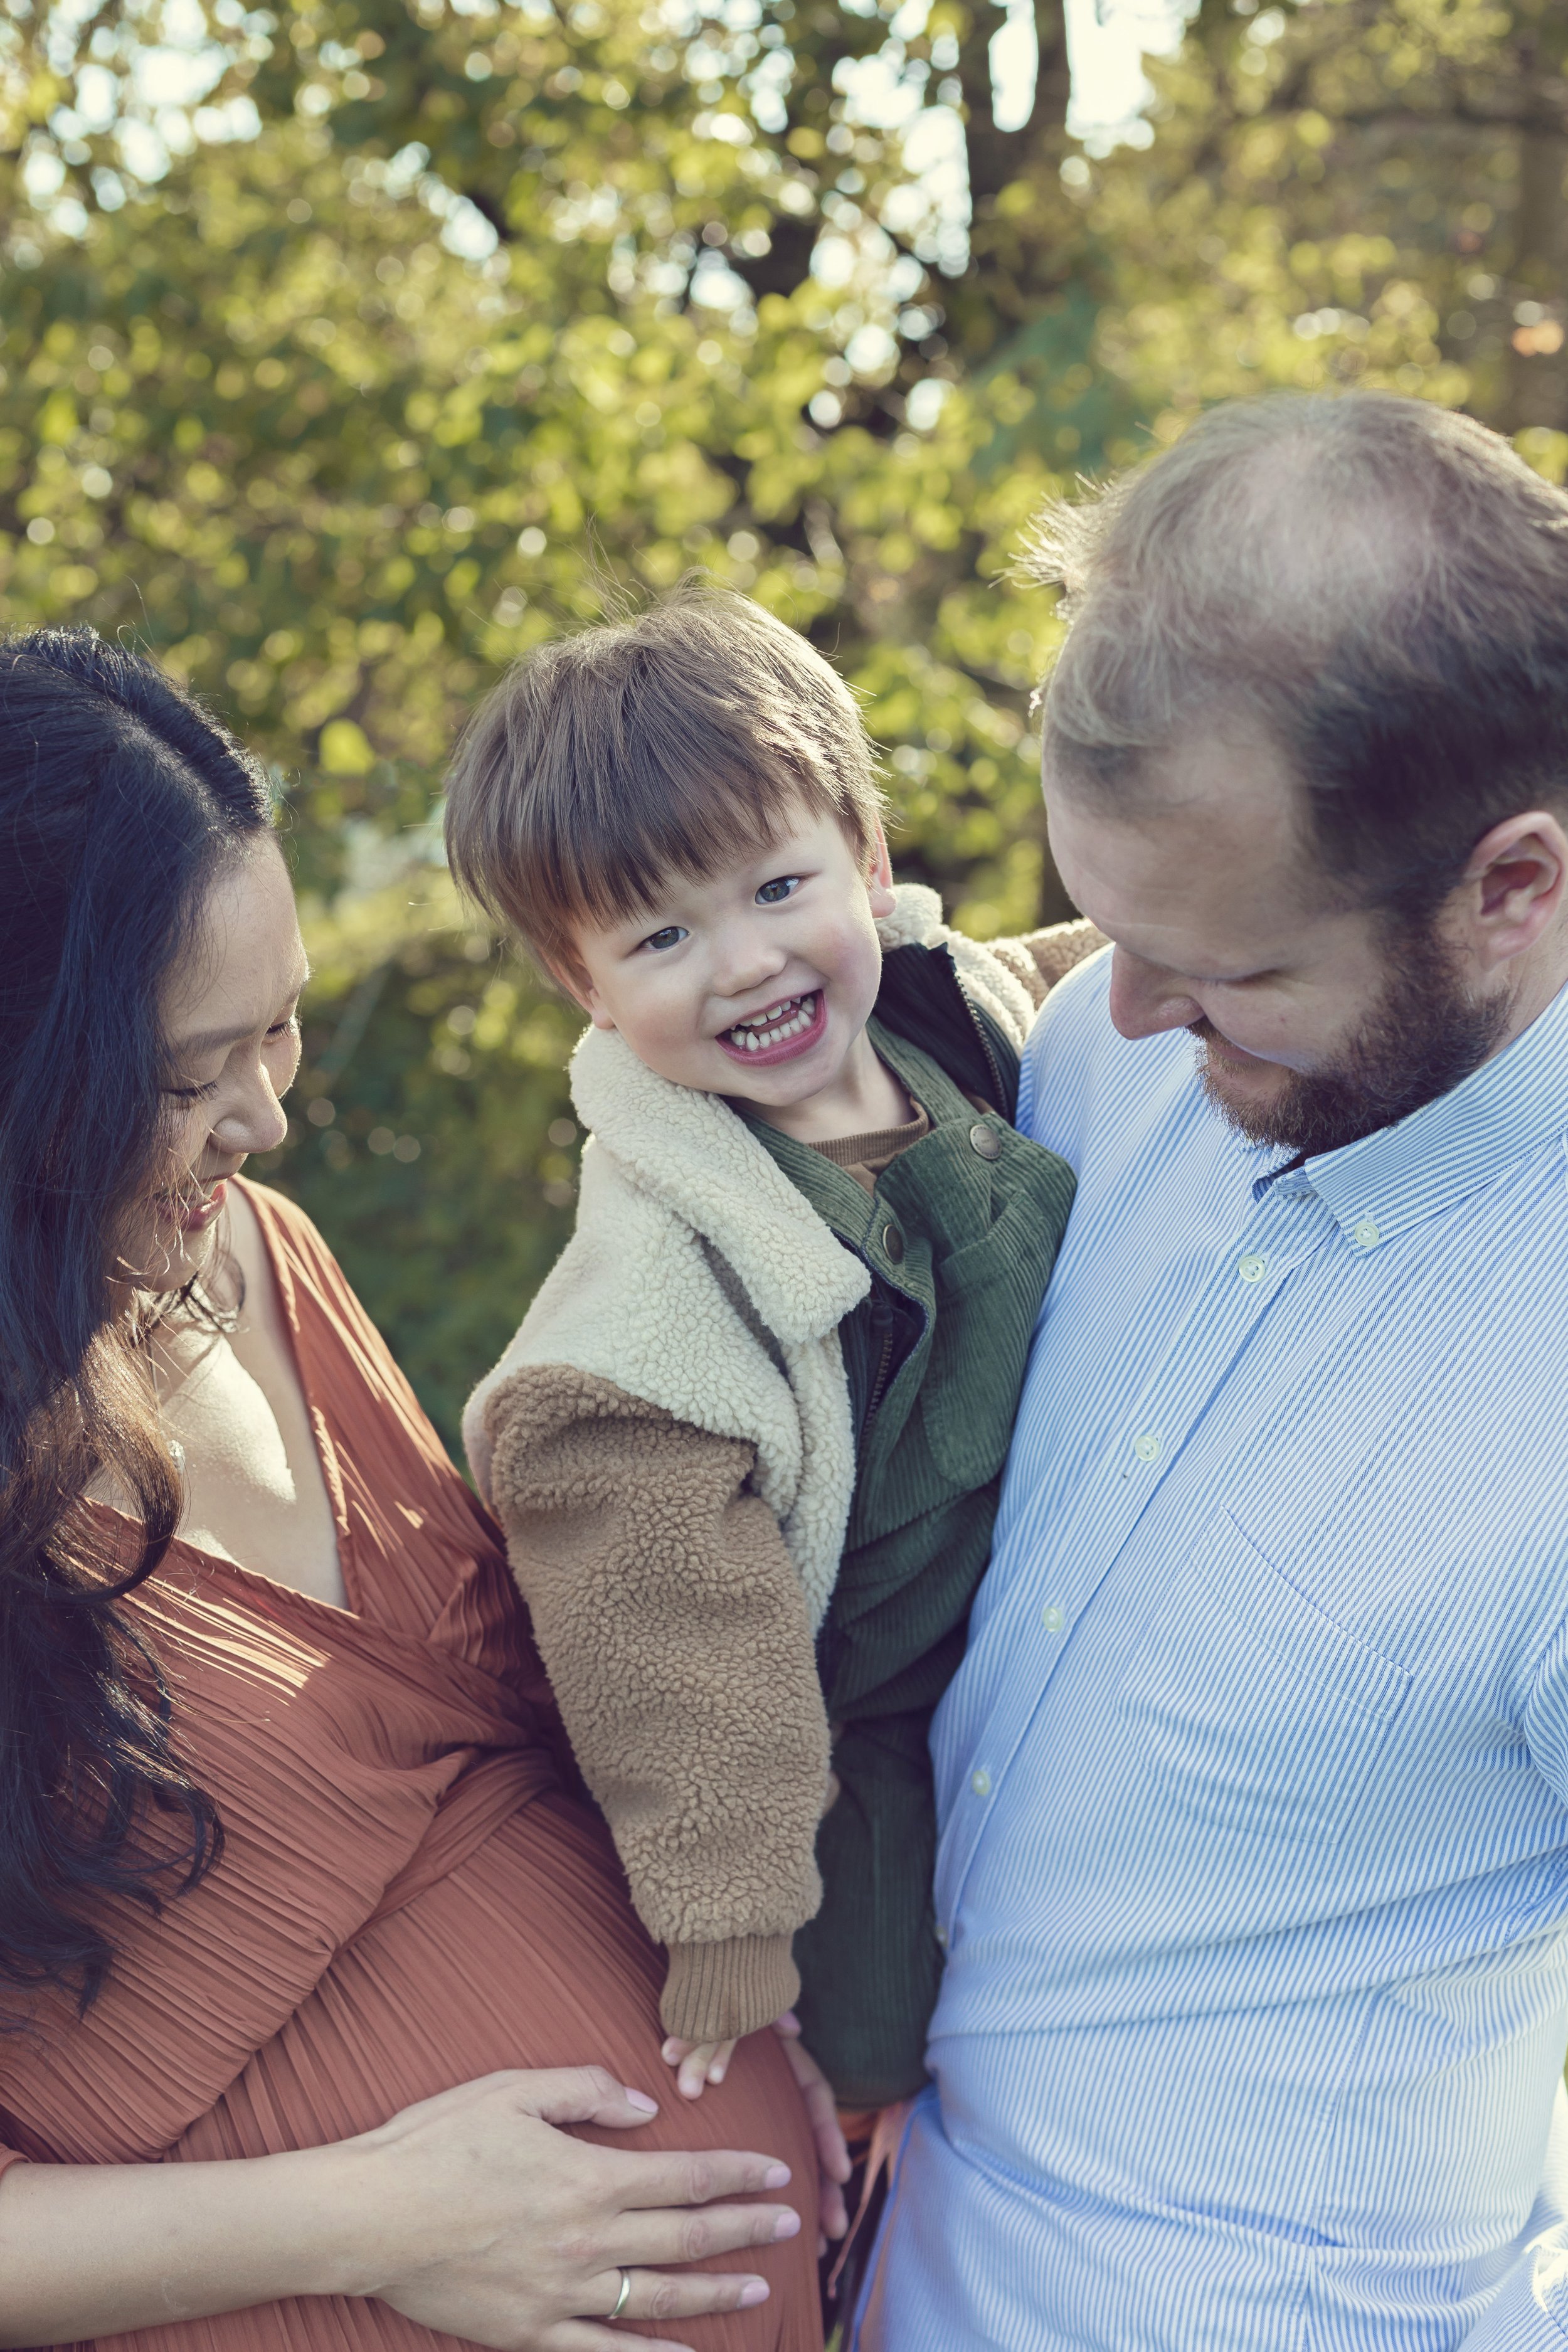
675 1629
1529 2313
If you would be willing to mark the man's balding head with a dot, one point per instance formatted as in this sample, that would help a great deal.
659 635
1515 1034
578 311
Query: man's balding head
1306 753
1379 584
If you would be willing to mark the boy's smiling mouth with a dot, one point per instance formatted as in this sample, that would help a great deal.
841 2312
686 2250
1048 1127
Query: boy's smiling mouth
791 1026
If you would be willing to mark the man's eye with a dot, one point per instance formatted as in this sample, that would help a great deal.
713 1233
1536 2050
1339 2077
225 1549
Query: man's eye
671 935
772 893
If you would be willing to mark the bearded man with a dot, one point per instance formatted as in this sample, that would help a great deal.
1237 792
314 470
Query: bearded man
1254 1786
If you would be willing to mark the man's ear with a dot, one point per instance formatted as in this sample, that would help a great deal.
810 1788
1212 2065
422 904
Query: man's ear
1515 886
879 876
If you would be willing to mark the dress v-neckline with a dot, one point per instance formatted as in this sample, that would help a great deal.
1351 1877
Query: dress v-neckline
321 1438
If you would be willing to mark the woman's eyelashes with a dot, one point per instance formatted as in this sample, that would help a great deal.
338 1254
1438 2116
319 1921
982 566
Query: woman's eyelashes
288 1027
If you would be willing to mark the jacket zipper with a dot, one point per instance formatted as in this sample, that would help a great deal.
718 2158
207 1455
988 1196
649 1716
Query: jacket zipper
985 1046
879 1385
882 1316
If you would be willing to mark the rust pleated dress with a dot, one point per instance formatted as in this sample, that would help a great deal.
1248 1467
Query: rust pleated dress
406 1900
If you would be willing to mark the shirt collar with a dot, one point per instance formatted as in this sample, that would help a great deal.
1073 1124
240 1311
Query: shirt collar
1400 1175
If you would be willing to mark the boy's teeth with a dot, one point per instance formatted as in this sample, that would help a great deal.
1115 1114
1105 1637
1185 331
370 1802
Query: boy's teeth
770 1028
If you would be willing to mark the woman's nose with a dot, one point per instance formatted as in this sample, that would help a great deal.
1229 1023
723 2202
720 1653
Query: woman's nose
1144 1000
257 1122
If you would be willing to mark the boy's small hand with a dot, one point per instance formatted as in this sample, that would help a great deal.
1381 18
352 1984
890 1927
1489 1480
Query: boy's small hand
698 2063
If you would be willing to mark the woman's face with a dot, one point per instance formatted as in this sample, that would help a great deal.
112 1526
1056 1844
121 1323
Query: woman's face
233 1046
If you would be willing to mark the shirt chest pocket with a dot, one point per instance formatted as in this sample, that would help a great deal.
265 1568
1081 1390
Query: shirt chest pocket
1249 1709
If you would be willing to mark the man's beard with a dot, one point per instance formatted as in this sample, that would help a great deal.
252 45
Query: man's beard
1425 1034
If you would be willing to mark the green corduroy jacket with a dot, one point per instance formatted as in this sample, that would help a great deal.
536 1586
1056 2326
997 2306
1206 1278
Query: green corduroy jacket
958 1238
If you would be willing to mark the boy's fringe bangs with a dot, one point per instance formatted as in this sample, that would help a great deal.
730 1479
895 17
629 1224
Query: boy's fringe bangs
675 743
605 860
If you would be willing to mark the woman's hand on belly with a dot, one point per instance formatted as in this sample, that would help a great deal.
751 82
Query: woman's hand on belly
496 2227
470 2213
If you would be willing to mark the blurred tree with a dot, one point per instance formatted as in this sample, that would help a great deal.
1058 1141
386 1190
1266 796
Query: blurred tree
1348 191
349 347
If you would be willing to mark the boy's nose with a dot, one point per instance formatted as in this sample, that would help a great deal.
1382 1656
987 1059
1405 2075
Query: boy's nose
742 966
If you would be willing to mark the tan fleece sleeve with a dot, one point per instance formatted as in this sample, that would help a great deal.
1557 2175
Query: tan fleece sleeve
673 1624
1039 958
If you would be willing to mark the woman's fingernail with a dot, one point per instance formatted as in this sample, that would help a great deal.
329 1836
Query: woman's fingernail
715 2073
755 2291
776 2176
667 2053
643 2104
787 2226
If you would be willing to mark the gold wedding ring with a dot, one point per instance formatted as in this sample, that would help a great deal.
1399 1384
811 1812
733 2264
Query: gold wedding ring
624 2295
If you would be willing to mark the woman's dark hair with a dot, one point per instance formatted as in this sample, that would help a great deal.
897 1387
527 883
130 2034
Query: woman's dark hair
118 796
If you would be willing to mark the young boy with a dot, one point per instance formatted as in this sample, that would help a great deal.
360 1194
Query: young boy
747 1444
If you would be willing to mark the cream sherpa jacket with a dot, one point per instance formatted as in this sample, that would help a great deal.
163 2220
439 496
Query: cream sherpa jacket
666 1444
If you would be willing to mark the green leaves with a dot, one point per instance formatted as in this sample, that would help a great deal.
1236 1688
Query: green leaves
401 336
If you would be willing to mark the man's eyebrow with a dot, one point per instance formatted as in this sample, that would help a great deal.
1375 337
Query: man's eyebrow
1201 979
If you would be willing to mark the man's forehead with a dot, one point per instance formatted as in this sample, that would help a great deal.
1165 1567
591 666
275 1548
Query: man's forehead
1203 864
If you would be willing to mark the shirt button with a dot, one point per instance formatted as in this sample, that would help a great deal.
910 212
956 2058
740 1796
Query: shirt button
894 1242
941 1935
981 1782
1147 1447
1366 1236
986 1142
1053 1618
1253 1269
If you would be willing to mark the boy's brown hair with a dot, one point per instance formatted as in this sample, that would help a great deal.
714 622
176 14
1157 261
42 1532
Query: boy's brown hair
676 742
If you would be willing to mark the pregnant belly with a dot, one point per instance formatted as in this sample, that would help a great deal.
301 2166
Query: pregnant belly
525 1954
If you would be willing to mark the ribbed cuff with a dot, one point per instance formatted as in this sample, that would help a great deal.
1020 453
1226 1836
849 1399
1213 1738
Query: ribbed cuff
715 1991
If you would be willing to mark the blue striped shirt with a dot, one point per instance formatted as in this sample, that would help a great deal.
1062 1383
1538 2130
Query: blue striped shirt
1254 1784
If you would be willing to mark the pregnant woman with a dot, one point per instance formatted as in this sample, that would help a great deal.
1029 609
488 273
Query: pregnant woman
324 2018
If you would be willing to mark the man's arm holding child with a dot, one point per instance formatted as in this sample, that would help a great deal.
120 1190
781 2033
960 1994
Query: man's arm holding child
674 1627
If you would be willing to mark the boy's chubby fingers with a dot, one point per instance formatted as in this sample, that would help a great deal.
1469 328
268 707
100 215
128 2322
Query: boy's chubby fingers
698 2063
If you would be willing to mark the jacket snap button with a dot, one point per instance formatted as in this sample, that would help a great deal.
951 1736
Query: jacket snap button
894 1242
986 1142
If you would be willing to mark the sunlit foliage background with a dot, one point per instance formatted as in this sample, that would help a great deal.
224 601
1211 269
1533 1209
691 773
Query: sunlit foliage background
351 346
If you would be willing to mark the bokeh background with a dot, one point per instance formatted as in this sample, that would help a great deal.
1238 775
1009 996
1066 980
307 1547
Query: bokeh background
350 347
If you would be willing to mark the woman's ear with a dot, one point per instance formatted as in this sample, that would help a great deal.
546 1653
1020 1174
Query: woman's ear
880 876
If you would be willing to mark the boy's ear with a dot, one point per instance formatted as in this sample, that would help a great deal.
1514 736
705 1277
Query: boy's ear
574 981
880 876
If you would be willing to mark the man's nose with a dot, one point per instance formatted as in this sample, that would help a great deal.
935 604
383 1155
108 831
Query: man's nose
1144 1000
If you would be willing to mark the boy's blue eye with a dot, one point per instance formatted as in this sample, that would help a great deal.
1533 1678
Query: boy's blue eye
669 937
772 894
